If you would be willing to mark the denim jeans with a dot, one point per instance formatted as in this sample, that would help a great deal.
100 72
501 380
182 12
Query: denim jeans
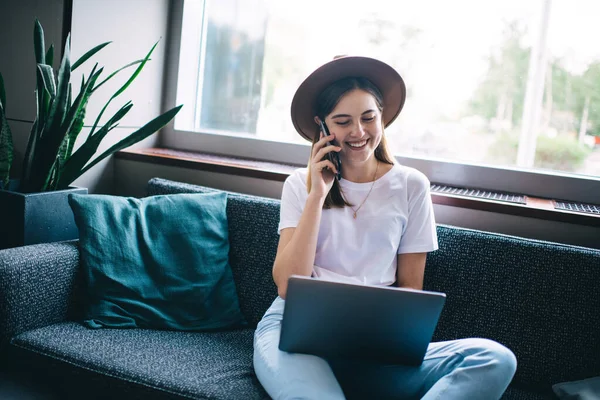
457 369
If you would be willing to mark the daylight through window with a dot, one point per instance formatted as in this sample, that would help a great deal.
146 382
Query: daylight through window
505 83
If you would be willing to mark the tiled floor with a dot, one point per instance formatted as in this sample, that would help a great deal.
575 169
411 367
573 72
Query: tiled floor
12 388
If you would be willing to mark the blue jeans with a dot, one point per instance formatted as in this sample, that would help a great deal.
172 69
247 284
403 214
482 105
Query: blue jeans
458 369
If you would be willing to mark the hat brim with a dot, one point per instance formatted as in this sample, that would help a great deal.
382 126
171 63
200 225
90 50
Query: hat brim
387 79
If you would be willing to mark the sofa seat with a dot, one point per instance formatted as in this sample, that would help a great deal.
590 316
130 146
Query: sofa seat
86 362
82 362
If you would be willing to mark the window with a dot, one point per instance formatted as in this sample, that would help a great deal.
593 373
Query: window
501 94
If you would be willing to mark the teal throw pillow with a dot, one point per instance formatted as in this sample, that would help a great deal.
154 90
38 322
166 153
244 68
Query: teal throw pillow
160 262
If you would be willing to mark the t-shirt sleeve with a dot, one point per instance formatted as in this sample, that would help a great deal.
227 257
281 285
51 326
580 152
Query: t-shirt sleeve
291 203
419 234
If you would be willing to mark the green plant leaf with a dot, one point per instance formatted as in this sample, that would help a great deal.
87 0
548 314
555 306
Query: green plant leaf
77 124
70 96
137 136
45 109
137 71
52 179
88 55
67 146
47 75
113 122
77 161
51 130
74 109
38 43
59 105
2 93
41 113
55 175
125 86
62 151
29 156
65 143
6 149
50 56
117 71
43 101
32 143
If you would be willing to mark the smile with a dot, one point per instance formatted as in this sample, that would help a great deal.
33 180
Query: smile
358 145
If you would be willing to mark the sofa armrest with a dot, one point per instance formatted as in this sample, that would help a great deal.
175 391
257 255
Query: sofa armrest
36 286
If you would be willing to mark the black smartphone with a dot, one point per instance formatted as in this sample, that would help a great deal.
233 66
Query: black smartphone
334 157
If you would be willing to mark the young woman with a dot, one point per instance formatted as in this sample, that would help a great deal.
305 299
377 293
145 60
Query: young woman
374 226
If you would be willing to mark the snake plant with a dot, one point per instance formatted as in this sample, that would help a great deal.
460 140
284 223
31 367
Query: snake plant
50 161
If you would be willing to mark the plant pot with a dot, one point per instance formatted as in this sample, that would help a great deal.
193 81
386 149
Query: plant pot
31 218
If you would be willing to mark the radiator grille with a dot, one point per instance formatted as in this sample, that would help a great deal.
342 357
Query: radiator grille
577 207
481 194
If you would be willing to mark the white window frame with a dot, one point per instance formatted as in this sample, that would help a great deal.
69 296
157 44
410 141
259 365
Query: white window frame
550 185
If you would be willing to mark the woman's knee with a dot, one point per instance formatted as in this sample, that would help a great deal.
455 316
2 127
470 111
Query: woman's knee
296 376
498 355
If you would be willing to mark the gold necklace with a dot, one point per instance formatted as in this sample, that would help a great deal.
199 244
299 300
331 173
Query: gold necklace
367 196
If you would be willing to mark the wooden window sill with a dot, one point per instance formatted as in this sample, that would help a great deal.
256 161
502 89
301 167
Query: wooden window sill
534 207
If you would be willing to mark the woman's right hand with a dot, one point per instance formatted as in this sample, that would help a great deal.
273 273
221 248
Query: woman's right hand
322 170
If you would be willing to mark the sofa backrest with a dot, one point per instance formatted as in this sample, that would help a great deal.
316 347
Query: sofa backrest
539 299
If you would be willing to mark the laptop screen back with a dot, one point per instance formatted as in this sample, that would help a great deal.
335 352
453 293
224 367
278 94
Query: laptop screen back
341 320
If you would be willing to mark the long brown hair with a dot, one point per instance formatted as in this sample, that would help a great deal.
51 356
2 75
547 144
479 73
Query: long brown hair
325 104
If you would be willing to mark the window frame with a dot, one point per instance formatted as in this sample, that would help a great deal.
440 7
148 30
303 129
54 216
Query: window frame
544 184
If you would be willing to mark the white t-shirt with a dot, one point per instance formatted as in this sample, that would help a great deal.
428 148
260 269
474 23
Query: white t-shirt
396 218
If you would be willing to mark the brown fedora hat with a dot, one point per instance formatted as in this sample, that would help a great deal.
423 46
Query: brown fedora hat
386 78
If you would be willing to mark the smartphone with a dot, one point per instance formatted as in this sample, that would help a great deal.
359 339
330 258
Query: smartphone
334 157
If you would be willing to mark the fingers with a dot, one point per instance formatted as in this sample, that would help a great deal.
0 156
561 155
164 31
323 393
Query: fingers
323 142
325 164
324 151
324 146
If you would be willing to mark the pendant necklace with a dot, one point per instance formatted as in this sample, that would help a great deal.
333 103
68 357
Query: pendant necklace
367 196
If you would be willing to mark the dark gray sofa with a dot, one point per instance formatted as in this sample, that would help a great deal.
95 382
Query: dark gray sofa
539 299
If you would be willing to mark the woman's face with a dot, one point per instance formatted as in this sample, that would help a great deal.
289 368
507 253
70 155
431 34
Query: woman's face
356 123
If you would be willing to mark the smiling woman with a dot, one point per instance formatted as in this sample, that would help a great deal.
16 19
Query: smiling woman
385 244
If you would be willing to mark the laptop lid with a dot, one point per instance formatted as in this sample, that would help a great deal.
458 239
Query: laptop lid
343 320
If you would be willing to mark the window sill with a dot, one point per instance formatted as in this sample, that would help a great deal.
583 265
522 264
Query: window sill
534 208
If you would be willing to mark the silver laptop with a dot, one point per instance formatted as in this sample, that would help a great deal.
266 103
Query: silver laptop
341 320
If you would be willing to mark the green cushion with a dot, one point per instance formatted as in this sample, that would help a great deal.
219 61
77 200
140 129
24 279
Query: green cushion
160 262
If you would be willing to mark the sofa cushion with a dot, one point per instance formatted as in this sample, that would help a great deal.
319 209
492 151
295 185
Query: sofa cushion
215 365
160 262
253 239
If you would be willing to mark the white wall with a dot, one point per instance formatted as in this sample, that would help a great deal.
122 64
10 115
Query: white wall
133 27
